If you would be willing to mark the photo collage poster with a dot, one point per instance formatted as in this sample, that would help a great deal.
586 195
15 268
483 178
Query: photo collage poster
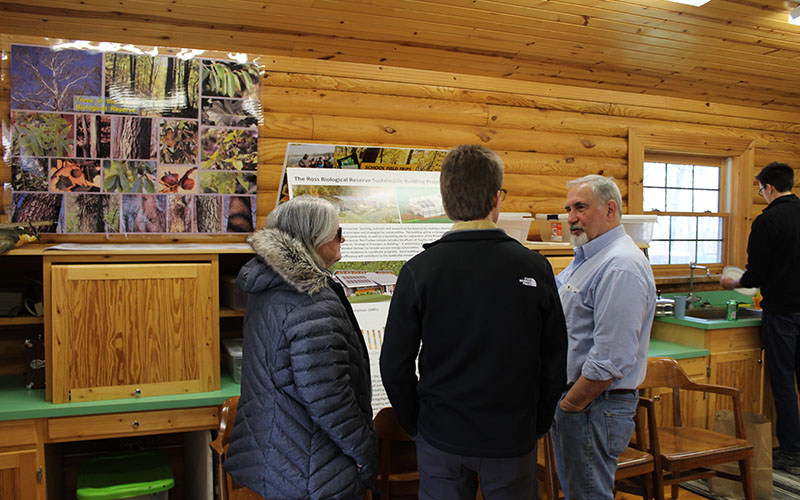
128 142
389 206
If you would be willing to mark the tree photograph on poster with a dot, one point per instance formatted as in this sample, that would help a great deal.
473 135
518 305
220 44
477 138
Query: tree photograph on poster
127 140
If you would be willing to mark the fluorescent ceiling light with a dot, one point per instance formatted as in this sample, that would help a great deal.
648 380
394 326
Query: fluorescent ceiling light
696 3
794 16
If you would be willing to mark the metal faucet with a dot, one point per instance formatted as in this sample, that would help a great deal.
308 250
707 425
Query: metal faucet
691 299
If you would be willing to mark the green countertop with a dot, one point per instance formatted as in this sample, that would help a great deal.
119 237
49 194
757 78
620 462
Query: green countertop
17 403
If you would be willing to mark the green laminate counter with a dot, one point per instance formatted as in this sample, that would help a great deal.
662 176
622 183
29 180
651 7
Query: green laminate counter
18 403
663 348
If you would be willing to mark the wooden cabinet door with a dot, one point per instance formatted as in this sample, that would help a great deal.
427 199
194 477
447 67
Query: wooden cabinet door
741 369
132 329
18 475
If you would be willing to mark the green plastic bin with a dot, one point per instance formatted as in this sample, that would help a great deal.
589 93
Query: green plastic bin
137 474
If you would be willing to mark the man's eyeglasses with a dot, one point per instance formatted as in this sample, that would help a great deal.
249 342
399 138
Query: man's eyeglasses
503 193
339 234
761 190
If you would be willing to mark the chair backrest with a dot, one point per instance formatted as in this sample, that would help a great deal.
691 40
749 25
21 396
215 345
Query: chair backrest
665 372
228 489
398 460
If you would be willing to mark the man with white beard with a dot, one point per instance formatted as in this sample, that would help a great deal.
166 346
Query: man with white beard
608 294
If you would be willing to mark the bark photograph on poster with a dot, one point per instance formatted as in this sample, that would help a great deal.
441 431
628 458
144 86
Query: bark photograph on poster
29 174
209 211
135 138
239 214
38 207
152 86
144 213
73 175
43 79
182 213
229 149
92 136
178 142
92 213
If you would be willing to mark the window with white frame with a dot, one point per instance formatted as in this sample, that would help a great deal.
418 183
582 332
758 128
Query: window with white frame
687 195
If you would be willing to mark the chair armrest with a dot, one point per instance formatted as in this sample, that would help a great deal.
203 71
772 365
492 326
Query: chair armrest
724 390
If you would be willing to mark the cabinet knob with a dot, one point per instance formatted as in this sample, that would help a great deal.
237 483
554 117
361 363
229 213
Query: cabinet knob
135 424
137 392
657 398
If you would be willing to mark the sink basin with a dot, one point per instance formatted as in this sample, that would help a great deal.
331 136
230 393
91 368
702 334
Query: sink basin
721 312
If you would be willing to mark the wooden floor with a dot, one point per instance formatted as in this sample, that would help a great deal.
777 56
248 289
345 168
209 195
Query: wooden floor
682 495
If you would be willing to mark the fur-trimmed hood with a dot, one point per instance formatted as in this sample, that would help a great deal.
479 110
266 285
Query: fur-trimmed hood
285 256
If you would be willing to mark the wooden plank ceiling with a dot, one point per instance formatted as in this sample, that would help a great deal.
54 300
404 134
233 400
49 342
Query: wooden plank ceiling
727 51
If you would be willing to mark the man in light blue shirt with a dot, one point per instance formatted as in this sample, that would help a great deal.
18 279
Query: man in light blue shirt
608 294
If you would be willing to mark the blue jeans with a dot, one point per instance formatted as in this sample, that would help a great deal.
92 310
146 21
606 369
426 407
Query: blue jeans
780 334
444 475
588 442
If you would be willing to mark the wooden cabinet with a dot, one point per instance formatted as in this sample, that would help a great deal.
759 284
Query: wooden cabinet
21 463
735 360
131 328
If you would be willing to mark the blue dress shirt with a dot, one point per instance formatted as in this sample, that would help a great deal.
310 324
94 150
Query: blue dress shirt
609 297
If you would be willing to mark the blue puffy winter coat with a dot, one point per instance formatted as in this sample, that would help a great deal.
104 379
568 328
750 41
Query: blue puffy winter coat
303 428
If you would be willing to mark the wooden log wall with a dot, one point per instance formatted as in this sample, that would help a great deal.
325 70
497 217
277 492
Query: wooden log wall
546 134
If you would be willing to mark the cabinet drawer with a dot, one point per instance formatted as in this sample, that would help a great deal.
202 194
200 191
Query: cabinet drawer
132 423
17 433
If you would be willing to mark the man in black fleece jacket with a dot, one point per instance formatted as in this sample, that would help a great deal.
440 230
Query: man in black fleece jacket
773 263
493 360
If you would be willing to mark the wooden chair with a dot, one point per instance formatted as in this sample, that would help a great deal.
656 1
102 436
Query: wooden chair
228 488
635 467
687 453
398 477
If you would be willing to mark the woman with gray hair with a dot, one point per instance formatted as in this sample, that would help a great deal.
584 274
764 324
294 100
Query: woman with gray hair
303 428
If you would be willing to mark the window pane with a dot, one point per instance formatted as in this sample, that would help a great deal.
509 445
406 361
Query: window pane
709 252
658 252
706 201
655 174
681 252
706 177
654 199
709 228
684 228
679 175
661 229
679 200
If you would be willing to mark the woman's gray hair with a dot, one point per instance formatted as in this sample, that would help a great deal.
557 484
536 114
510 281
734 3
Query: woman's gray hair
311 220
603 188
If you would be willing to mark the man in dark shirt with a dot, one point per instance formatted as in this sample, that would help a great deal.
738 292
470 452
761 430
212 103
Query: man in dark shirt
773 263
494 344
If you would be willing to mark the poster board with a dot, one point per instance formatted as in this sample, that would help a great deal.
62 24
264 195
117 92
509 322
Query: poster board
114 139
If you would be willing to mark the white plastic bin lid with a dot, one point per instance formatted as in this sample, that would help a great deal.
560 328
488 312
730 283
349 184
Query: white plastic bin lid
551 217
514 215
233 346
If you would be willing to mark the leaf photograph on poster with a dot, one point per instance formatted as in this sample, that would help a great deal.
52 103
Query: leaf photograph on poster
152 86
70 175
29 174
239 214
229 149
92 213
129 176
230 112
227 182
229 79
92 136
42 134
48 80
178 144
